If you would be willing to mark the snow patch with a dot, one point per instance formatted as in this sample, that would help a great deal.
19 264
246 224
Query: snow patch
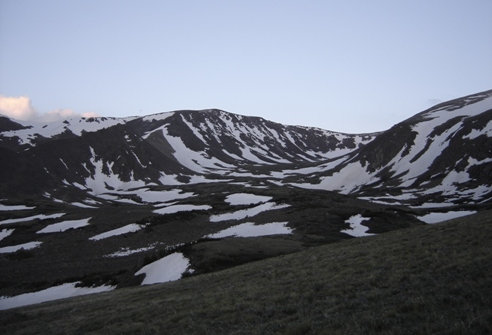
356 228
166 269
249 212
35 217
181 208
25 246
347 180
5 232
14 207
246 199
474 133
53 293
162 196
131 228
249 229
439 217
81 205
64 225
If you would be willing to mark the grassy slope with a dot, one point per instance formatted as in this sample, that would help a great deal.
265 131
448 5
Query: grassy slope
429 279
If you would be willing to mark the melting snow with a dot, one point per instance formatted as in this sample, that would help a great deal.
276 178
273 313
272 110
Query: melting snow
76 125
53 293
127 251
35 217
131 228
170 180
474 133
346 180
181 208
249 229
82 205
64 225
249 212
13 207
5 232
246 199
432 205
195 161
25 246
98 181
439 217
356 228
162 196
165 269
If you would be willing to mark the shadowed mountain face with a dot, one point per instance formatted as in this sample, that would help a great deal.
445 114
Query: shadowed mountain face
164 148
94 200
443 154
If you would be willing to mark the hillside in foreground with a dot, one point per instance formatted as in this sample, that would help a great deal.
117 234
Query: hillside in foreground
433 279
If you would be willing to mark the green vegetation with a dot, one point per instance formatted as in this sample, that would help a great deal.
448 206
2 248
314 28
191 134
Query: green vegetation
434 279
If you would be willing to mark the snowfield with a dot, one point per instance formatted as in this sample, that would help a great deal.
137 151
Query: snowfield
249 229
131 228
34 217
439 217
246 199
181 208
13 207
166 269
356 228
64 225
5 232
53 293
25 246
249 212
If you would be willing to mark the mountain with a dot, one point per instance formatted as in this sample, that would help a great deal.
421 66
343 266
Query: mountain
103 202
443 154
166 149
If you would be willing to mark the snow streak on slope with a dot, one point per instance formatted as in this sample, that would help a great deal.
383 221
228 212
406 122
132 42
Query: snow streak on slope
428 145
181 208
249 212
53 293
13 207
34 217
131 228
100 182
25 246
5 232
249 229
443 216
75 126
64 225
166 269
193 160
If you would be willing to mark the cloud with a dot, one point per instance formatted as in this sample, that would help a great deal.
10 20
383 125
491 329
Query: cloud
20 108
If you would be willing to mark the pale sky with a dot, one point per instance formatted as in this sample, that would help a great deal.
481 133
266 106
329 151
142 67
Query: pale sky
351 66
